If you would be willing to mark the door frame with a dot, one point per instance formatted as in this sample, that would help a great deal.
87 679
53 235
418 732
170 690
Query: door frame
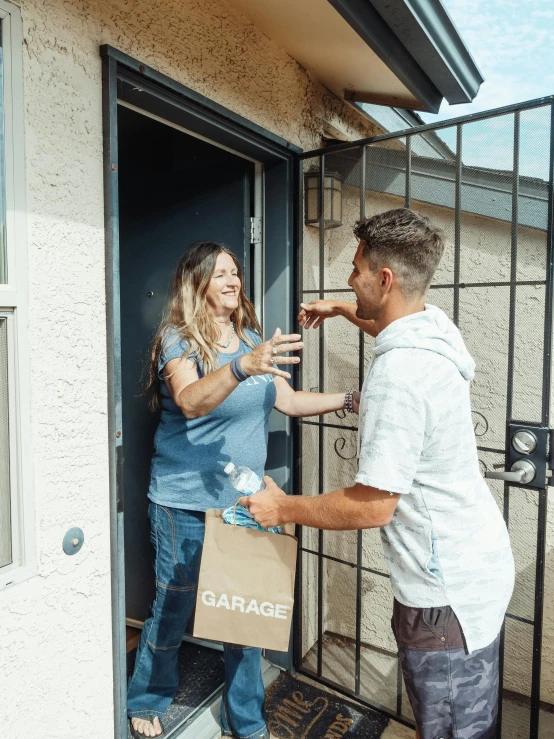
128 80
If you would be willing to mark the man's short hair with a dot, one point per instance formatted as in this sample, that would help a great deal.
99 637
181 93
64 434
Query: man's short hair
406 242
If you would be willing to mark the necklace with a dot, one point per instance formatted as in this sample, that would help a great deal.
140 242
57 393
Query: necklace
228 344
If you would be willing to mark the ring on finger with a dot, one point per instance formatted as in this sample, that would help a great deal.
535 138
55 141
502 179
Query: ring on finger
273 342
275 351
272 361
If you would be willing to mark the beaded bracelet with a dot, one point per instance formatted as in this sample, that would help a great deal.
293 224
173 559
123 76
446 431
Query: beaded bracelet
348 404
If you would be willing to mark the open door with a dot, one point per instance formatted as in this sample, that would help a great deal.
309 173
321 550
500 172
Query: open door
486 180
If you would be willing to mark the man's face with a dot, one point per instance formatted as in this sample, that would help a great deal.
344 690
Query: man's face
365 284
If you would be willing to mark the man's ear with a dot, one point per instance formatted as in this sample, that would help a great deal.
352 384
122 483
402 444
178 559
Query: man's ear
387 278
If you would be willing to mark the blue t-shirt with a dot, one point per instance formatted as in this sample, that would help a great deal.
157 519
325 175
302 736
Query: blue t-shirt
190 454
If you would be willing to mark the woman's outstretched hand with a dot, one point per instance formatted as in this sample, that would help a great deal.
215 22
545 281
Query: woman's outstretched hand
263 360
314 313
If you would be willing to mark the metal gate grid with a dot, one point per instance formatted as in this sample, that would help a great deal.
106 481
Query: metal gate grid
487 180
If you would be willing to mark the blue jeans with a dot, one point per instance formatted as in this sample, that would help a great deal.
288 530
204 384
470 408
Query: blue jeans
177 537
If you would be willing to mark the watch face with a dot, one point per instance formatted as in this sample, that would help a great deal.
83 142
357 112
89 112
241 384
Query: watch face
524 442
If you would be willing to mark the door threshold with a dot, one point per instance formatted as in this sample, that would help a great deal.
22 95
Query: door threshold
205 722
217 645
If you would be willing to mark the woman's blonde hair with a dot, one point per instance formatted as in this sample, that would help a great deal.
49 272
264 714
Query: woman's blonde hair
188 316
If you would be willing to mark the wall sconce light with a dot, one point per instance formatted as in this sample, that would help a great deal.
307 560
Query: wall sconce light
332 199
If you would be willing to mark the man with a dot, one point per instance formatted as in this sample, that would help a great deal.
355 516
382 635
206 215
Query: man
445 541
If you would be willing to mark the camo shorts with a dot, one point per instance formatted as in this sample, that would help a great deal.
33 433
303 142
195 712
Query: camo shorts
453 694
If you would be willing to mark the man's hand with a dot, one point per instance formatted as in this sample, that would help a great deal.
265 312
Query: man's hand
313 314
266 505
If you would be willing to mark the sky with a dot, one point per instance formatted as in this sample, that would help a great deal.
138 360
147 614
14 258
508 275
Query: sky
512 43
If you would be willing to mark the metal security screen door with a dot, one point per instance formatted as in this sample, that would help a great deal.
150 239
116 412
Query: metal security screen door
487 181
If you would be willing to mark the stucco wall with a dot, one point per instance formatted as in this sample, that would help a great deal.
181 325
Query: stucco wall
484 316
55 635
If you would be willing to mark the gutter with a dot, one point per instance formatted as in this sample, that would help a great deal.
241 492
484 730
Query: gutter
429 34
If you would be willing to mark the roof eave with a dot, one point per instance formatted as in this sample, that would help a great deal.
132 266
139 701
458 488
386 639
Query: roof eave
368 24
418 41
432 39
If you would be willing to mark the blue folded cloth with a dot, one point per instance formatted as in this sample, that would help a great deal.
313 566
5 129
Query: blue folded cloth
245 518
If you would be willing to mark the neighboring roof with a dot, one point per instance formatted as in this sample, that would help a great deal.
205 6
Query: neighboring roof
397 53
390 120
484 192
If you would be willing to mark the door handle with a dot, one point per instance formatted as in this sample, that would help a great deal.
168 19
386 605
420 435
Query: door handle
506 476
523 471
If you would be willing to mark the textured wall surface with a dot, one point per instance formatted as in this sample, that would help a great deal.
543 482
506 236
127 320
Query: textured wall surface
484 314
55 630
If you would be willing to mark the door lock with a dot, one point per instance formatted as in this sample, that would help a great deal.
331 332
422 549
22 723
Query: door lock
524 442
528 460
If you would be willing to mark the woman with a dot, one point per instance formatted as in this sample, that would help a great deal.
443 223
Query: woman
216 383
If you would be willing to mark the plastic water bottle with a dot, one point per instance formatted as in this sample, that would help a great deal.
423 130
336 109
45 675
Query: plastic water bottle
244 479
247 482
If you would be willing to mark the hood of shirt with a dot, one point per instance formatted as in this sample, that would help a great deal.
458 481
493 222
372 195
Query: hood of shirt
431 330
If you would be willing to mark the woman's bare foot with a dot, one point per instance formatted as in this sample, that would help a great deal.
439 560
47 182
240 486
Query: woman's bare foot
147 728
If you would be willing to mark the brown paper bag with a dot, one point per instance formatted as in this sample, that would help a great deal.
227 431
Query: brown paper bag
246 585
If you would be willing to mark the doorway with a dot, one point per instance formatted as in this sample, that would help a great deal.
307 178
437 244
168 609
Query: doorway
174 189
178 168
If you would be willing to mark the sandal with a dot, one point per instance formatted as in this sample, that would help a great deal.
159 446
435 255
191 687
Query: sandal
137 734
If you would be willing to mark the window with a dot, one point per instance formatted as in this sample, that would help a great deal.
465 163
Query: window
16 513
3 251
5 492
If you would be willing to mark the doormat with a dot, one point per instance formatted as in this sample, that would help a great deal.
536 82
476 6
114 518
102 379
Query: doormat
201 674
297 710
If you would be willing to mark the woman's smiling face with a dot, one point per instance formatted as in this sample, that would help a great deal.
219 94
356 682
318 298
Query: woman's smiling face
224 288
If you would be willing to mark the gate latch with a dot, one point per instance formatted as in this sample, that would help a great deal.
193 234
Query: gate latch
528 451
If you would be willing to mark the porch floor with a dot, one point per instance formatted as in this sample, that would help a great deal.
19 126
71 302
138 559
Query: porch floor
201 676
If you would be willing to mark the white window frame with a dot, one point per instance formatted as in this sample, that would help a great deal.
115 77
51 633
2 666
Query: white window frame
13 306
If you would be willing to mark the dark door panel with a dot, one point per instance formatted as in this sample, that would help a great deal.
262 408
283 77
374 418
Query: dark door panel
174 190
